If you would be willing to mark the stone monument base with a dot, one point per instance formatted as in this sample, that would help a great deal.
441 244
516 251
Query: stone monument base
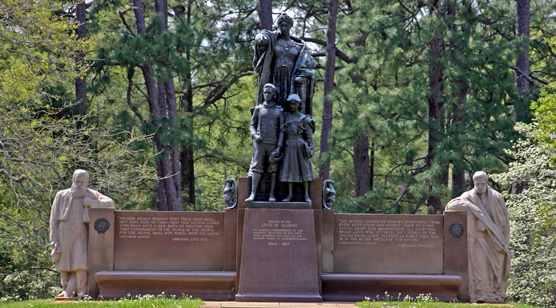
279 297
205 285
279 205
278 254
355 287
279 258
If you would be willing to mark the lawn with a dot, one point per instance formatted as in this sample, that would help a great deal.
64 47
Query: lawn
432 304
139 302
186 302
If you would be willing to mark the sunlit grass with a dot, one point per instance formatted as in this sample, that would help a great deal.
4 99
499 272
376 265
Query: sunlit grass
144 301
427 301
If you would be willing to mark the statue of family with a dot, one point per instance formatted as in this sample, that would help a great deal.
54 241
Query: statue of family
281 126
281 136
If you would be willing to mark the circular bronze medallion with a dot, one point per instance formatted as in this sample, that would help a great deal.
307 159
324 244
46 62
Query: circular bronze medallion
456 229
101 225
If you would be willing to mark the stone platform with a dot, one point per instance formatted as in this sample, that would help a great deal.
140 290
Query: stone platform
279 205
205 285
215 304
277 254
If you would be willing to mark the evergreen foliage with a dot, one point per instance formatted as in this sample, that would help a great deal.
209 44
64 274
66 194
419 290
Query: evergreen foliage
385 95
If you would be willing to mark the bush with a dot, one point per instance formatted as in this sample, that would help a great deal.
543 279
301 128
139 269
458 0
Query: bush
532 220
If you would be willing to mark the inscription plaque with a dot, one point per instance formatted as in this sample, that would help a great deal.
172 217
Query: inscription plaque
388 244
169 241
279 261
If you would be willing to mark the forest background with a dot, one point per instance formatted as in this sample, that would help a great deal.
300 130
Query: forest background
153 98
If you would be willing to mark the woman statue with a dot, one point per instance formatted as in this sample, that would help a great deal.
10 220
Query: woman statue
286 62
298 134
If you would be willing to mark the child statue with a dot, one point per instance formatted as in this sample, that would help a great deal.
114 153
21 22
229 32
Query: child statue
298 148
267 140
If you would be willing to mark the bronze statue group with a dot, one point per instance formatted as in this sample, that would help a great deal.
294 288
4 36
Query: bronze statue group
281 126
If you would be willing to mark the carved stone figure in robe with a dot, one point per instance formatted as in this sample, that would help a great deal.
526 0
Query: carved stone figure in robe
298 148
286 62
488 229
267 141
69 232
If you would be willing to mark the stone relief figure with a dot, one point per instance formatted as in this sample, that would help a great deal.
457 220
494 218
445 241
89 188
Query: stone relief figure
69 232
488 227
230 193
286 62
298 148
267 141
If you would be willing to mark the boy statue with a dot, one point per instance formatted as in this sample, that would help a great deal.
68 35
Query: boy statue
267 140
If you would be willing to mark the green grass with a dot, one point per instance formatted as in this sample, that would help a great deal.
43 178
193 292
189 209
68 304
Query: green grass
429 304
146 302
186 302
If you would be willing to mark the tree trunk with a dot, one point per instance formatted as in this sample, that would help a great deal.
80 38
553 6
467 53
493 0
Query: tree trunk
459 99
187 170
161 203
362 178
372 167
435 104
521 106
458 121
324 170
161 102
80 82
458 182
265 14
167 104
187 151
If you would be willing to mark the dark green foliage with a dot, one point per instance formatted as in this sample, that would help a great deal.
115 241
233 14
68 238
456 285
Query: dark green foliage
384 94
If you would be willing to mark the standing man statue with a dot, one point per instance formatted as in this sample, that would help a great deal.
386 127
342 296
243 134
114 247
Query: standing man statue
488 227
267 141
69 232
286 62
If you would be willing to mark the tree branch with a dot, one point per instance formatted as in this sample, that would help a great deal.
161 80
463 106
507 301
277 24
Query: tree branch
515 68
218 92
122 17
20 178
340 54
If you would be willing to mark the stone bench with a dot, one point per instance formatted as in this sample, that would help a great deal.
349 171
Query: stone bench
204 285
355 287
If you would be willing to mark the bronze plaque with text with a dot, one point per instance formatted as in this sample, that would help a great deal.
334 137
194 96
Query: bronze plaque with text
169 241
388 244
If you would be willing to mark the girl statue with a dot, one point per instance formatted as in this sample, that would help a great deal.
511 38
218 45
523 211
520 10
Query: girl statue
298 135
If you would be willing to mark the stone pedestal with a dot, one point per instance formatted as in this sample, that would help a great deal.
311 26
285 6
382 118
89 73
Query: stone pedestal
279 256
101 245
456 260
279 205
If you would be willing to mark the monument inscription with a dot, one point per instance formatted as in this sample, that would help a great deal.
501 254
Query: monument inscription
169 241
279 261
410 244
376 230
185 229
279 232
